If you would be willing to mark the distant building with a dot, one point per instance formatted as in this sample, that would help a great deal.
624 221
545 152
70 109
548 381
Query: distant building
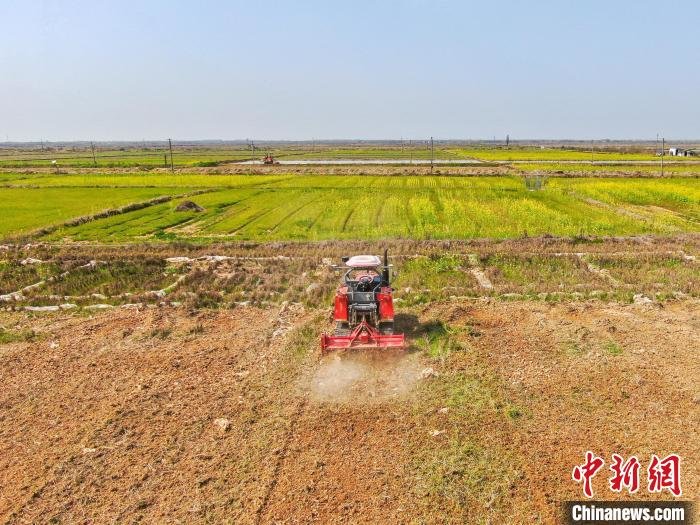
679 152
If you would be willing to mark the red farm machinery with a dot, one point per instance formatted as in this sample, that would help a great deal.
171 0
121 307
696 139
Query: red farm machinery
364 309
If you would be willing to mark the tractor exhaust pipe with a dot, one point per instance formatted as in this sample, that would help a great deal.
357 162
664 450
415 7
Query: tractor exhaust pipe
385 270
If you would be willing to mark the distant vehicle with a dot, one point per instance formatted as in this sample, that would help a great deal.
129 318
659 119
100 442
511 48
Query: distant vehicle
269 159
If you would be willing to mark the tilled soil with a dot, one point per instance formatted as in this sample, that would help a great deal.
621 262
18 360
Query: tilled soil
169 415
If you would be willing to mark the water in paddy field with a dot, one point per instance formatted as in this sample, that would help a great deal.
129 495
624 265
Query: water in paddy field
422 162
364 377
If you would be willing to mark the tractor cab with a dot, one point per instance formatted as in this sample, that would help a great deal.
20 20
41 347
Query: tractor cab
363 274
363 283
363 309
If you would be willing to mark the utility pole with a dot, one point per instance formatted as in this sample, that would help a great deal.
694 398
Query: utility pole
172 163
94 159
432 154
507 140
657 144
663 148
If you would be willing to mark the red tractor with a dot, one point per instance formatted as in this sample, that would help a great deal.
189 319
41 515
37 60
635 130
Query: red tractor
364 308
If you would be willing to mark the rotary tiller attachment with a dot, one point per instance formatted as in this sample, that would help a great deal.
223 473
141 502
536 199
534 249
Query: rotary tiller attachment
363 337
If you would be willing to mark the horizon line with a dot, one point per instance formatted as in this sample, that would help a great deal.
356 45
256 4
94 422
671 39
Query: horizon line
497 140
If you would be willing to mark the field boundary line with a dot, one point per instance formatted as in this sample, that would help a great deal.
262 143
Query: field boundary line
19 294
597 270
478 273
689 258
593 295
673 253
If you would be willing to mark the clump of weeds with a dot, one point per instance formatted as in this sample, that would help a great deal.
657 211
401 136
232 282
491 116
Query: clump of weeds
14 336
466 475
305 338
573 349
612 348
161 333
197 329
439 340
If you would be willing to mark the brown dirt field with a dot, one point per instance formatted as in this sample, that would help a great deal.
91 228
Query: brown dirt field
111 418
645 400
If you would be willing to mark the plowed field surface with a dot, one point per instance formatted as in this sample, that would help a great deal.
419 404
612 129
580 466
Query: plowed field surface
168 415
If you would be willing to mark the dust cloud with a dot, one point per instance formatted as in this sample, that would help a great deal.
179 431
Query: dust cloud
363 377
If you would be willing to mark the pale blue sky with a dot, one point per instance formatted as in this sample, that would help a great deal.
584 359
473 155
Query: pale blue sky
299 70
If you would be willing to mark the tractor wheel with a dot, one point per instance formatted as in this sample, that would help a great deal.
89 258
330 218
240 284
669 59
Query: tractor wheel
341 328
386 328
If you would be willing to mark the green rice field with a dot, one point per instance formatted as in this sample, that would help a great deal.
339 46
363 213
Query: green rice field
320 207
25 209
